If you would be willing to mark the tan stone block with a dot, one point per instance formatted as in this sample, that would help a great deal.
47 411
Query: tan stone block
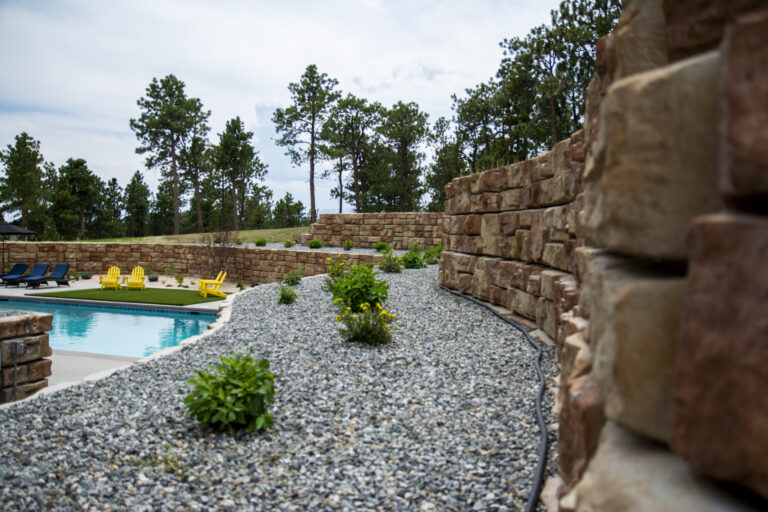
654 166
561 157
475 181
629 473
522 303
546 316
509 223
542 166
574 357
476 204
463 262
554 255
494 180
491 235
548 279
464 283
634 326
472 225
512 199
482 277
557 190
515 175
22 391
21 323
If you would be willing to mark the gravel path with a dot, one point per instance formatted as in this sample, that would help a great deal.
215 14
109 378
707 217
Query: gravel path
440 419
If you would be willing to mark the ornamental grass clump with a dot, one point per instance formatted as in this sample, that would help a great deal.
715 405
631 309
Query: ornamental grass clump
359 286
287 295
368 325
381 247
234 394
391 263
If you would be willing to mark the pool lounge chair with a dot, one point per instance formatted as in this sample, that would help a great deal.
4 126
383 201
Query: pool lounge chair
37 272
58 274
17 270
136 279
211 286
112 279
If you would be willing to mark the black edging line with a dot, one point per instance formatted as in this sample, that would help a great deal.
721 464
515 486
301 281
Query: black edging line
544 443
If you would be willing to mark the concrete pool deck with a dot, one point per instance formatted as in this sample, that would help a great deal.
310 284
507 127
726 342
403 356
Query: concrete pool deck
69 367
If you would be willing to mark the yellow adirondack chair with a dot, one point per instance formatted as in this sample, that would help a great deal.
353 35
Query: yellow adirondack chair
136 280
211 286
112 279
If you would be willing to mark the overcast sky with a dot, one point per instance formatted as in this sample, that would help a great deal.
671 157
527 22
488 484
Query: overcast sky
71 71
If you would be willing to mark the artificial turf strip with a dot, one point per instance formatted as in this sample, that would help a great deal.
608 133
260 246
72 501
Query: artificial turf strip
148 296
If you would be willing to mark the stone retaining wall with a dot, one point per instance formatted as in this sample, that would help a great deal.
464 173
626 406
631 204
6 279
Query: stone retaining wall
252 266
649 270
400 230
32 369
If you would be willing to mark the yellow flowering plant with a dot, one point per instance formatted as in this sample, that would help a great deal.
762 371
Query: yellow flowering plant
368 325
335 268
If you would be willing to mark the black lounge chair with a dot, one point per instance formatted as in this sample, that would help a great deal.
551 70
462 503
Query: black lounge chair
17 270
37 272
58 274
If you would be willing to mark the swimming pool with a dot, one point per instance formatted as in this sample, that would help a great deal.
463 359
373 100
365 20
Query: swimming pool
129 332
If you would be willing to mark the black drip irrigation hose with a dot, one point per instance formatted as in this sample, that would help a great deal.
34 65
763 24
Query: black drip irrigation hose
533 498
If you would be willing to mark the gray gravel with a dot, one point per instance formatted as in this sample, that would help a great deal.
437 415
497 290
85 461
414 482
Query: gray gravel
442 418
333 249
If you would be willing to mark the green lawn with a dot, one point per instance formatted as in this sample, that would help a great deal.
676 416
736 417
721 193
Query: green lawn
271 235
148 296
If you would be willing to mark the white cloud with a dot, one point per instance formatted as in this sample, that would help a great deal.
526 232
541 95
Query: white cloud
73 70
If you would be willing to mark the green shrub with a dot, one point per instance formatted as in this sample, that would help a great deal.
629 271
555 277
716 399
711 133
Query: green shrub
432 256
179 279
86 275
288 243
358 286
369 325
170 270
391 263
314 244
293 278
234 394
336 267
240 285
287 295
381 246
152 279
260 242
348 245
412 259
238 240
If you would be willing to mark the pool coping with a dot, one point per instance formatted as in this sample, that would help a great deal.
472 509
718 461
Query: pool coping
117 304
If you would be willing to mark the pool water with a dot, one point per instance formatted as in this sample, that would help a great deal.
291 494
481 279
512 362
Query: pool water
129 332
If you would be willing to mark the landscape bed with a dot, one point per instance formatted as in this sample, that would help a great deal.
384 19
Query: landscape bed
442 418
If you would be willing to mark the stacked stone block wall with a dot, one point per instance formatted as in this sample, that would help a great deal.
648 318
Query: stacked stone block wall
29 331
252 266
658 296
400 230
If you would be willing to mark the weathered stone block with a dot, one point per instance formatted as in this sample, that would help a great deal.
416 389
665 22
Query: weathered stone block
744 121
25 372
512 199
21 323
515 175
574 357
632 474
554 255
634 325
509 222
494 180
654 166
23 390
548 279
522 303
721 402
696 26
472 225
581 420
463 262
491 234
36 347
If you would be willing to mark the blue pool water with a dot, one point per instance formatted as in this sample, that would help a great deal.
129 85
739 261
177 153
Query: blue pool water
115 331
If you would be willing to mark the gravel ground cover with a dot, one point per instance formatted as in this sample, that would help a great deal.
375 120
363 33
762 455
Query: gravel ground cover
330 249
442 418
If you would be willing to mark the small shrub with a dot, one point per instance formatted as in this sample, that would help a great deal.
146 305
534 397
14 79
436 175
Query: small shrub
348 245
240 285
314 244
391 263
261 242
358 286
170 270
381 247
293 278
86 275
432 256
287 295
238 240
152 279
179 279
335 269
369 325
412 259
234 394
288 243
74 275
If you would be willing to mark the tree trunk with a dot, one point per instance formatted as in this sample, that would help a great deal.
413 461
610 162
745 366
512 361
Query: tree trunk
312 211
175 175
553 121
234 205
357 184
197 205
341 190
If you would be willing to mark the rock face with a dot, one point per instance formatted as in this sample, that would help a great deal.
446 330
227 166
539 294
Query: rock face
744 105
721 398
631 474
634 325
581 420
696 26
654 166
